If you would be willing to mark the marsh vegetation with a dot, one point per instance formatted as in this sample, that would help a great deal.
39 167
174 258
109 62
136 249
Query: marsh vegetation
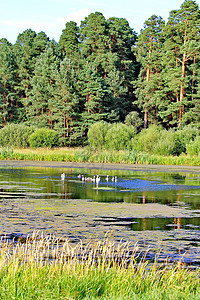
49 268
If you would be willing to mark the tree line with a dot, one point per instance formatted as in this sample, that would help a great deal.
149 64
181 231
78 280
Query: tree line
103 70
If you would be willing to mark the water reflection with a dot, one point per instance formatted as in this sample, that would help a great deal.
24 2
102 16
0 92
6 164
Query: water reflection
142 224
156 209
177 189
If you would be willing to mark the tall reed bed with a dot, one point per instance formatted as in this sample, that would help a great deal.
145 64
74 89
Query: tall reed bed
97 156
49 268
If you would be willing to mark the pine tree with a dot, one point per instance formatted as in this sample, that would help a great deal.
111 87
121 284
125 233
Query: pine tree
27 48
94 93
65 104
43 89
40 43
117 98
97 61
8 103
149 54
69 41
181 56
122 43
93 36
107 47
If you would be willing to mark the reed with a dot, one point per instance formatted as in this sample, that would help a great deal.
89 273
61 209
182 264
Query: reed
97 156
42 267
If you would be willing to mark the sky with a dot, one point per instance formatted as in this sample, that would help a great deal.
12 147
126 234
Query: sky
51 16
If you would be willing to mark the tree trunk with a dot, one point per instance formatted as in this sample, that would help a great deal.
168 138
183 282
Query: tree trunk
193 79
147 80
146 108
182 89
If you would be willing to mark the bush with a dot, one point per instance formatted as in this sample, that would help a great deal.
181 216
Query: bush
43 137
186 135
97 134
193 148
119 136
146 140
133 119
168 143
16 135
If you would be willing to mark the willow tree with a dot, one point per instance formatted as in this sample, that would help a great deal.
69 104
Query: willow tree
149 55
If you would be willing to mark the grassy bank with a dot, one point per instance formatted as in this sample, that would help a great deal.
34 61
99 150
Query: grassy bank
46 268
96 156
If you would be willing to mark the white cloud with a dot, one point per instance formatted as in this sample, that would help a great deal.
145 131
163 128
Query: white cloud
76 16
53 28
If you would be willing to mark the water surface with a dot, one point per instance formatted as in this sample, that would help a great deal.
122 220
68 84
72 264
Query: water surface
153 207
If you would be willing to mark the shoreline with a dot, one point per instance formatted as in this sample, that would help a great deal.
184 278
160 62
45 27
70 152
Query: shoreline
102 166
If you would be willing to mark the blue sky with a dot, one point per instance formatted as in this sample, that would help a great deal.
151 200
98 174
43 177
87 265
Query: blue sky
50 16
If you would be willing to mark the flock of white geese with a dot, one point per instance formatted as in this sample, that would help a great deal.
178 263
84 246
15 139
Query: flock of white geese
95 179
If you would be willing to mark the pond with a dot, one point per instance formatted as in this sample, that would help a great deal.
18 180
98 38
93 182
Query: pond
156 207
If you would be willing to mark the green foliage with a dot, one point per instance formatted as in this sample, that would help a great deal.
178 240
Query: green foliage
69 40
186 135
101 70
148 49
147 139
16 135
133 119
193 148
168 144
43 137
156 140
97 134
8 104
119 136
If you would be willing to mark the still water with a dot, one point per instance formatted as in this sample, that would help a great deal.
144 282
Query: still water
156 208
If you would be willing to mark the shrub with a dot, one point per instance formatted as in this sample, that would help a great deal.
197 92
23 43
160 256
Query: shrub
147 139
167 144
97 134
133 119
16 135
119 136
186 135
193 148
43 137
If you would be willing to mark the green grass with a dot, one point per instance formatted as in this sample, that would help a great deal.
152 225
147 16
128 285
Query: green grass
97 156
45 268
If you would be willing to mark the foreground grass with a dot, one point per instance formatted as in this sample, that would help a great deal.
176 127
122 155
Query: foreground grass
48 269
97 156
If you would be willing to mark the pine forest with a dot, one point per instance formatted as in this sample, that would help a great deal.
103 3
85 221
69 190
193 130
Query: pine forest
102 72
